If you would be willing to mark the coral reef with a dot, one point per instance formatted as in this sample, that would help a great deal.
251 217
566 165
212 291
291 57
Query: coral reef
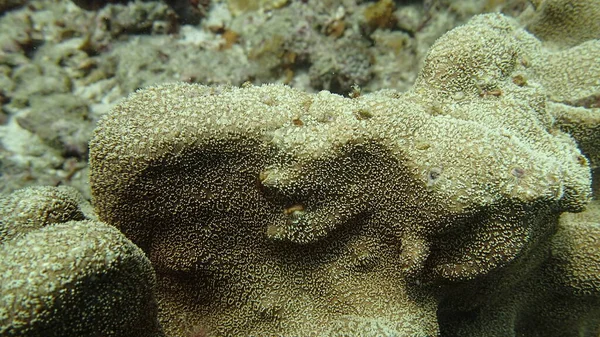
32 208
271 211
64 274
351 66
96 4
238 7
58 120
84 61
437 208
47 67
564 23
560 296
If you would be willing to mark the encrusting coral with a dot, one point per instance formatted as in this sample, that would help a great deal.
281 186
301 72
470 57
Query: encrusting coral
565 23
571 29
267 211
32 208
64 274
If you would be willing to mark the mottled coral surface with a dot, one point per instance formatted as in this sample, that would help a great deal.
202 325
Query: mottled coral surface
269 211
64 274
462 205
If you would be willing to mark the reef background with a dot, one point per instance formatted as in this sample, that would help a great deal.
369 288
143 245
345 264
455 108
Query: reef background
64 64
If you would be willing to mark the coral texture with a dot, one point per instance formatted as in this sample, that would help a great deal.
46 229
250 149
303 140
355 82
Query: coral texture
566 23
64 275
32 208
62 67
267 211
560 297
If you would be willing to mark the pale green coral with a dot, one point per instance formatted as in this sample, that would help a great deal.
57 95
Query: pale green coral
269 211
576 254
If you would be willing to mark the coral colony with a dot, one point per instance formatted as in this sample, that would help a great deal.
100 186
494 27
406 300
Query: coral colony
462 206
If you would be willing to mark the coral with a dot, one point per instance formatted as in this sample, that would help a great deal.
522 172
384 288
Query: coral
575 86
49 78
575 262
189 11
559 297
574 270
134 17
64 275
270 211
584 125
380 14
574 94
565 23
32 208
